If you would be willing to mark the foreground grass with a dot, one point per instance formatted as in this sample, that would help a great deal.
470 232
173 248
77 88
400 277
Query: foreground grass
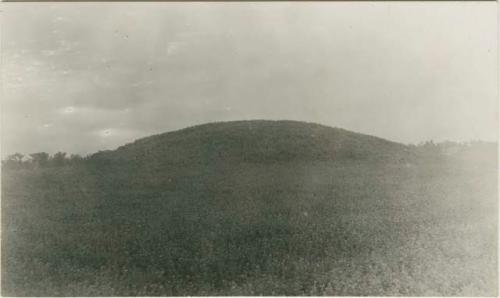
283 228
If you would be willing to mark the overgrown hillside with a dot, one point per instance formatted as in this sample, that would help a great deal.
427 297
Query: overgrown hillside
254 208
257 141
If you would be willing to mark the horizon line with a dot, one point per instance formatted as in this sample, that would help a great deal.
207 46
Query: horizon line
422 142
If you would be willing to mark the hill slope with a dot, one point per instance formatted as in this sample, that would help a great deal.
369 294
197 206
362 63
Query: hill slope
252 208
256 141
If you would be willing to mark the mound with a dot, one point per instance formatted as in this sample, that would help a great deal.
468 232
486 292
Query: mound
255 141
252 208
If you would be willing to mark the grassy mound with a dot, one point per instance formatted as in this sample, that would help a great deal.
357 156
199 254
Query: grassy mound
253 208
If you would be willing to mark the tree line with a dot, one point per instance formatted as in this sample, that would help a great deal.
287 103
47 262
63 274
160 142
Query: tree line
59 159
40 160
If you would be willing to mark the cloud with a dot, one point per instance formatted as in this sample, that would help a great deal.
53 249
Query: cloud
174 46
67 110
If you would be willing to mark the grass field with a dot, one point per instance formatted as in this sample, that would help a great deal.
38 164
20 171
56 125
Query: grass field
338 227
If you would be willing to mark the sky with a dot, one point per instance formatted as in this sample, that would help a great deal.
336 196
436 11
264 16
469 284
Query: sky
83 77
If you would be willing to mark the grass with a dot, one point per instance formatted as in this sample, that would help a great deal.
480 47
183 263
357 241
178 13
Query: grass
281 229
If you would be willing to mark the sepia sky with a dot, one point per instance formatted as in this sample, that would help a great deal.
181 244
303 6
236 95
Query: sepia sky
82 77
